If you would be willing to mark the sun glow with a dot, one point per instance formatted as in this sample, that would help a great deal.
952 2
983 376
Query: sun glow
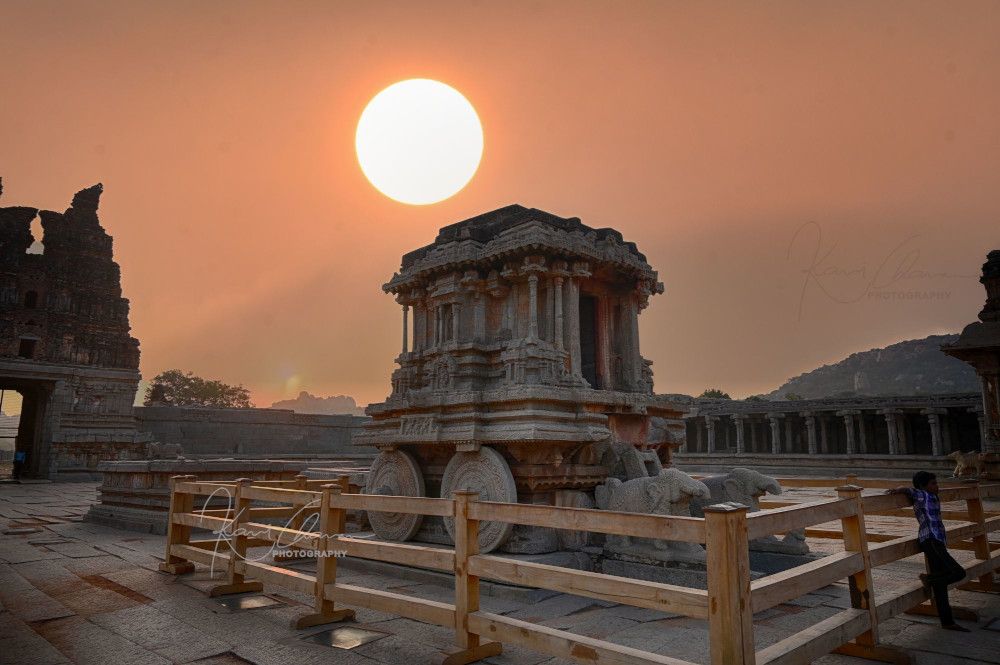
419 141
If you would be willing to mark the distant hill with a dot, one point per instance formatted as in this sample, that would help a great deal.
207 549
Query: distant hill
913 367
306 403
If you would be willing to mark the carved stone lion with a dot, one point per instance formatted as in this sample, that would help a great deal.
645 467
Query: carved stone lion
746 486
668 493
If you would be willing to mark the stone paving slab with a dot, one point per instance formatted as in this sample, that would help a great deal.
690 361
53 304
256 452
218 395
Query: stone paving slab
161 633
18 640
74 550
86 643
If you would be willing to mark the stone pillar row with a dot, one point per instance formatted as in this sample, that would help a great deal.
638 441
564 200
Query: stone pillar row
856 432
559 322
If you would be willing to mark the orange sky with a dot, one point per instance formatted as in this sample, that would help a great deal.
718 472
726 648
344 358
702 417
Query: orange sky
253 249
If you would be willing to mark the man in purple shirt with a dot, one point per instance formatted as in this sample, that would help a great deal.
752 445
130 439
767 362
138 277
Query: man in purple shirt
943 569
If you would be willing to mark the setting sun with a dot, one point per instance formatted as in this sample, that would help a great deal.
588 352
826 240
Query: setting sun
419 141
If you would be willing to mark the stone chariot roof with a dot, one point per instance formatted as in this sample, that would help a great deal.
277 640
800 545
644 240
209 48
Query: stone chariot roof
505 232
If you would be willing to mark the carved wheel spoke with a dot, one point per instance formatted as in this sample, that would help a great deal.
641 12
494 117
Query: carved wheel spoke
487 473
395 473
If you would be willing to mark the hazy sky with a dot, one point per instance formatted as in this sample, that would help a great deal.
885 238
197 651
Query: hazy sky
731 141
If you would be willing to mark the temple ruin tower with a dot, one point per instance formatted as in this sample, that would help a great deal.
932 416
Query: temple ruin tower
520 374
979 345
64 340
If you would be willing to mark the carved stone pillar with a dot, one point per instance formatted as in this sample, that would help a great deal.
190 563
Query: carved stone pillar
699 426
775 419
573 304
740 442
406 310
549 310
753 435
532 306
418 326
789 439
849 431
604 381
631 354
891 425
557 315
456 321
512 305
903 432
824 445
580 270
710 424
479 317
934 420
862 434
848 417
810 431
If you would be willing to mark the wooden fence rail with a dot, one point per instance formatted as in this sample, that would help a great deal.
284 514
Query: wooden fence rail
315 522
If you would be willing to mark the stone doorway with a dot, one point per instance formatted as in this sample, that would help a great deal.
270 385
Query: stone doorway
588 339
29 438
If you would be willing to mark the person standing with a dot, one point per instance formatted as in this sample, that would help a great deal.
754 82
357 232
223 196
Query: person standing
943 569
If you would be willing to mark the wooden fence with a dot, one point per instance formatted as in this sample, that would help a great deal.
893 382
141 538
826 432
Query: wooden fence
316 512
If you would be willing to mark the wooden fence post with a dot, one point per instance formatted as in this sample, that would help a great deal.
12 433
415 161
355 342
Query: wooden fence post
178 534
980 542
862 592
235 581
468 649
285 554
730 613
330 521
344 482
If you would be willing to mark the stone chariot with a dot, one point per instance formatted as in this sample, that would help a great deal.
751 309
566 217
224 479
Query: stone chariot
521 376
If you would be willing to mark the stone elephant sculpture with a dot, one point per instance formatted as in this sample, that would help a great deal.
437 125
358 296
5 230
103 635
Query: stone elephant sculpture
746 486
667 493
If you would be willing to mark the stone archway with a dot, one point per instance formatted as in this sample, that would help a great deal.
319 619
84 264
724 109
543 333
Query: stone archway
31 438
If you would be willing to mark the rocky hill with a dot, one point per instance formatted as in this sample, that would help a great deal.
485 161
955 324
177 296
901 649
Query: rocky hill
306 403
913 367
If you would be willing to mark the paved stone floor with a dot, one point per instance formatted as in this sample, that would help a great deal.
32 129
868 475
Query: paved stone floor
75 592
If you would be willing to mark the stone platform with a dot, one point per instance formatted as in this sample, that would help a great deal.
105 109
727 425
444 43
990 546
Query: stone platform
136 495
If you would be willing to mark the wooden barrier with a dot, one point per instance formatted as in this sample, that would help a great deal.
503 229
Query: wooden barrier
727 605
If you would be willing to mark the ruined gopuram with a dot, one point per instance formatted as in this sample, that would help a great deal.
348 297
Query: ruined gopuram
520 376
64 341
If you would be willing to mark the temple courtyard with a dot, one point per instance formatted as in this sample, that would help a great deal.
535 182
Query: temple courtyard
76 592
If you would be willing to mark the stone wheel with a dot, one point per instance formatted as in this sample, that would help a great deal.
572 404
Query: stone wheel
395 473
487 473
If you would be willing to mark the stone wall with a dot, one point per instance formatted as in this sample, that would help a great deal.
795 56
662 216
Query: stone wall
254 432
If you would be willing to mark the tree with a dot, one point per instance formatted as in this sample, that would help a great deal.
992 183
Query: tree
714 393
793 397
755 398
175 388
